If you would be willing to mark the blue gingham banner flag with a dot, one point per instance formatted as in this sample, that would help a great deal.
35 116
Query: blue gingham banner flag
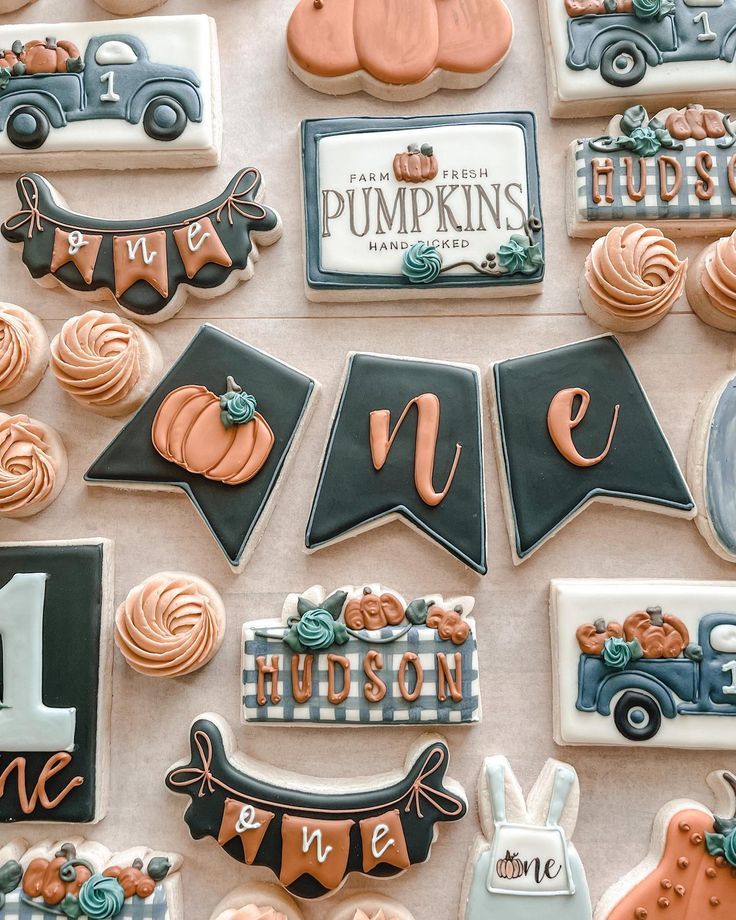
685 205
392 643
153 908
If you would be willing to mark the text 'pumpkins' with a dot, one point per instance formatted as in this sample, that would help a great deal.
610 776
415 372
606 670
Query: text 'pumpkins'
399 41
219 437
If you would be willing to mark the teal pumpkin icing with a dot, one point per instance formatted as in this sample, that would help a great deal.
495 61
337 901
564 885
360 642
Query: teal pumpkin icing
101 897
422 264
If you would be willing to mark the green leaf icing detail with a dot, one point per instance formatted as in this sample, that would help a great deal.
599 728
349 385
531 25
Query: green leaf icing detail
520 256
722 845
70 907
416 612
101 897
334 603
238 408
618 653
653 9
422 264
158 868
11 874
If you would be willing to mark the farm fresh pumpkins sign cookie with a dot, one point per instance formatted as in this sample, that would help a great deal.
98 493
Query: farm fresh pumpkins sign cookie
442 206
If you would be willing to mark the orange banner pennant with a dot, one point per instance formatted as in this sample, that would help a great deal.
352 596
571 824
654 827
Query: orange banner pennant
80 248
246 822
384 842
314 847
141 258
199 245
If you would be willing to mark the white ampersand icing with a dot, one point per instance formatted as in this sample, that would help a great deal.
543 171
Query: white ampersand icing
27 467
15 346
76 242
96 358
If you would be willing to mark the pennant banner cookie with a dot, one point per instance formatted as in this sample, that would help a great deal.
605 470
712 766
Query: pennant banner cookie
313 836
201 432
644 662
573 425
148 267
362 656
406 442
675 170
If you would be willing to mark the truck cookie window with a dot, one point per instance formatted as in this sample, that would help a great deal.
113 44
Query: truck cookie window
623 38
45 84
658 672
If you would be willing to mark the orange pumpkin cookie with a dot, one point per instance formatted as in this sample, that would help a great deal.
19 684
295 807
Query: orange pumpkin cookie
690 873
220 437
398 50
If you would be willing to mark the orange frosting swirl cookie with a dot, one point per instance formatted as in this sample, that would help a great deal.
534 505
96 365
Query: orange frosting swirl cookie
103 361
32 466
252 912
170 625
718 276
632 278
23 353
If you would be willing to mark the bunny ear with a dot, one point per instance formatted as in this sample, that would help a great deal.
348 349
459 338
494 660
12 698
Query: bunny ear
500 797
555 797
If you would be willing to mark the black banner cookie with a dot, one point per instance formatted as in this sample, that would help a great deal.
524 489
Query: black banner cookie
312 835
572 426
147 267
226 449
55 711
406 442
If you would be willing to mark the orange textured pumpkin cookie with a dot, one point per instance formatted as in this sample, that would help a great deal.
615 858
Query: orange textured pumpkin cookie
632 278
397 50
711 284
170 625
33 466
690 872
105 363
24 353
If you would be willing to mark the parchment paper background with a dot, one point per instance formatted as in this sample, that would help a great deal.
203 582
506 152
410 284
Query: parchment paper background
678 361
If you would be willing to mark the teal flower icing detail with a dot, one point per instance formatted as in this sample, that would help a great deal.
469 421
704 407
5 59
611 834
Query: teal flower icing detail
520 256
618 653
652 9
645 142
237 407
101 897
723 844
422 264
317 627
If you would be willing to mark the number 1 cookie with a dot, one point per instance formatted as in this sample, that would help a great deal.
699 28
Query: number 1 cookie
55 714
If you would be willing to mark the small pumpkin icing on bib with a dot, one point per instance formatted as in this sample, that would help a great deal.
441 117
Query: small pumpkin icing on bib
33 466
632 278
397 49
220 437
170 625
24 353
711 284
105 363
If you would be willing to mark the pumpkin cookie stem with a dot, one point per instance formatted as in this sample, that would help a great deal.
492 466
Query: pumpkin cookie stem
232 386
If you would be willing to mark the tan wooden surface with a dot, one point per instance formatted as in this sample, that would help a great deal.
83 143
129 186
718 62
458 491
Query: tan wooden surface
678 361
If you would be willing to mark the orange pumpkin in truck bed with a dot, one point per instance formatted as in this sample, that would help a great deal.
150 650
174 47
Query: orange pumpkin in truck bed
397 42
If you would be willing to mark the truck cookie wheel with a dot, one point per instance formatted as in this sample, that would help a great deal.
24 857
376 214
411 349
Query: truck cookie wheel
637 716
27 127
164 119
623 64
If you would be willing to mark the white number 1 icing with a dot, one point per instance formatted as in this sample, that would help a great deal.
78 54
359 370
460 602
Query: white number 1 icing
25 723
524 867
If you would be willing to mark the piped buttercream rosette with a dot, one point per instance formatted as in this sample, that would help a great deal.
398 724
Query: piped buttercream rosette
33 466
170 625
24 353
105 363
258 901
711 287
369 906
632 278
